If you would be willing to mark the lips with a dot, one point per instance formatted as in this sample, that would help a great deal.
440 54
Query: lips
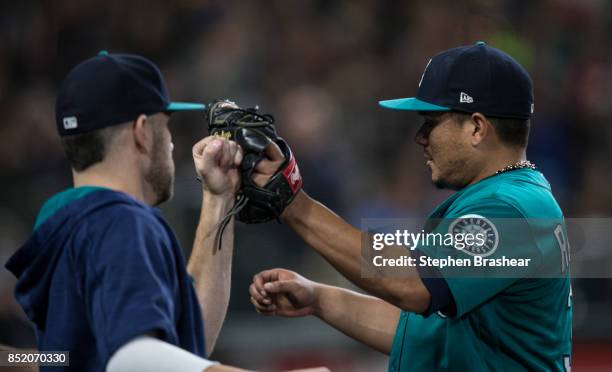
428 159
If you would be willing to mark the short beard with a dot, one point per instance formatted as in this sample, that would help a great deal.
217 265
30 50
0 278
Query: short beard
159 176
449 183
443 185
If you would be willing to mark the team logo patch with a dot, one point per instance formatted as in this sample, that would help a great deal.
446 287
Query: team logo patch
424 71
476 224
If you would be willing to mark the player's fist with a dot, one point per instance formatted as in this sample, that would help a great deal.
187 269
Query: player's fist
283 292
216 162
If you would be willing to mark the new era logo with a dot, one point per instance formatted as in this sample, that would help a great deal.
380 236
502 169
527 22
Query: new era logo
465 98
70 122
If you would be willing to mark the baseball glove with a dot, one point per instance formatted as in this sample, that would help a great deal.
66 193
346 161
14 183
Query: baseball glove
254 132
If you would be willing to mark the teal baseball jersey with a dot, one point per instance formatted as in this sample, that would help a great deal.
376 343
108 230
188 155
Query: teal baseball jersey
501 322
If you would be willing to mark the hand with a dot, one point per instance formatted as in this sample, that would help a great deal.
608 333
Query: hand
283 292
216 160
269 165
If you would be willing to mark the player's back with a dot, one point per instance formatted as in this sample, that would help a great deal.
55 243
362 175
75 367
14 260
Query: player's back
89 278
47 288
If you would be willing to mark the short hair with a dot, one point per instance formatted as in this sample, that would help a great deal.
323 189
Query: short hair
512 132
86 149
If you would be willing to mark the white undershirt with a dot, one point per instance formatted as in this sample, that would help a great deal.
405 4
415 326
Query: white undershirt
150 354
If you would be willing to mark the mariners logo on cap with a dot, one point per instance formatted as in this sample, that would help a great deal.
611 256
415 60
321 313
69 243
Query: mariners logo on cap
424 71
475 224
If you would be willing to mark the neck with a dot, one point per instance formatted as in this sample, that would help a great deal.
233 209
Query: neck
111 180
499 161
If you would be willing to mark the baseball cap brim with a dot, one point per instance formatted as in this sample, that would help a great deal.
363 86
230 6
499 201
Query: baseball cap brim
411 104
185 106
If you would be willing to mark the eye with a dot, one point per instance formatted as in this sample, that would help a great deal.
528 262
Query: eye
428 126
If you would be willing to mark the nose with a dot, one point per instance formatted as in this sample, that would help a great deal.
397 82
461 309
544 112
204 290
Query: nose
421 137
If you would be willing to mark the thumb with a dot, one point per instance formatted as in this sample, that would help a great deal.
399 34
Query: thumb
273 152
281 286
238 157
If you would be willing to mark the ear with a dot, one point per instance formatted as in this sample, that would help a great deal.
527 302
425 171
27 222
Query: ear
141 131
482 128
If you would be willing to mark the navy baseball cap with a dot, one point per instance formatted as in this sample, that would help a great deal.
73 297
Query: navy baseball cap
110 89
475 78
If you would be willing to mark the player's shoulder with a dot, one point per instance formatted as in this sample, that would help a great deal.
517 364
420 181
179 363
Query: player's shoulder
522 193
119 211
119 220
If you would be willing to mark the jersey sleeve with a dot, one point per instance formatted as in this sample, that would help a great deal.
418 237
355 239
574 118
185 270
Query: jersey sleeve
441 298
509 238
129 283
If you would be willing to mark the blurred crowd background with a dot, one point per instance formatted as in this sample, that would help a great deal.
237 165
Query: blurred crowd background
320 67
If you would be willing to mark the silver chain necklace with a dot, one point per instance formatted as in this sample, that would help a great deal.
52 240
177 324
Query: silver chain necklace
518 165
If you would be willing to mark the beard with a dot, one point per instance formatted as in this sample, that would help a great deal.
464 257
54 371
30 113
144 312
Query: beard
451 175
161 174
445 185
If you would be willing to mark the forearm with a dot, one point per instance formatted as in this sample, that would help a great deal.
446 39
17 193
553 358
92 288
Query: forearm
367 319
211 268
340 244
147 353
